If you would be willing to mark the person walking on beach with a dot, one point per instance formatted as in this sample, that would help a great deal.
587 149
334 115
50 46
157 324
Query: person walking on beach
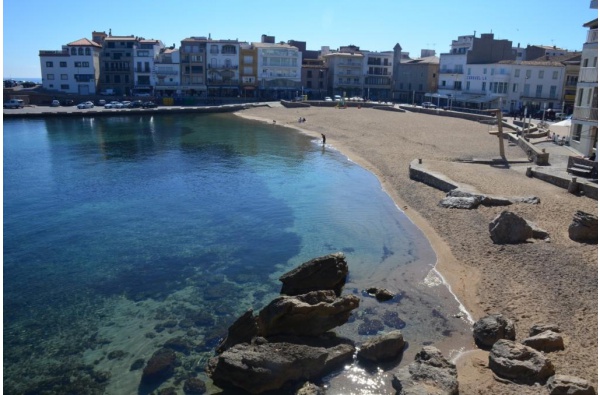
324 138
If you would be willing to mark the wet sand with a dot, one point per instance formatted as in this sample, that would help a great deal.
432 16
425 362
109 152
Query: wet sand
531 283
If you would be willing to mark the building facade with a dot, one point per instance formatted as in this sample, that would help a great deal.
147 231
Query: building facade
145 52
73 69
377 75
279 70
223 68
346 77
166 79
116 64
193 66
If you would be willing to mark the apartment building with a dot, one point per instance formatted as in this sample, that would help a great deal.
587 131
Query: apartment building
279 70
248 70
166 77
222 68
116 64
193 66
345 71
414 78
377 75
73 69
145 52
584 128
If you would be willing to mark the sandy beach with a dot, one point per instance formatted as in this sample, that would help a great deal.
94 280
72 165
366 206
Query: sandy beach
531 283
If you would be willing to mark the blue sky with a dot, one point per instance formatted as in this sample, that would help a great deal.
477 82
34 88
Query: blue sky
33 25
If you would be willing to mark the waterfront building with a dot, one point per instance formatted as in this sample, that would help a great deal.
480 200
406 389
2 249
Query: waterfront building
279 70
193 66
314 72
73 69
166 79
144 55
223 64
377 75
248 70
345 71
413 78
584 128
116 64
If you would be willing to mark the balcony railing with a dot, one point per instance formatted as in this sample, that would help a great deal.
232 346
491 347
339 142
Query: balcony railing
449 71
586 113
588 74
223 67
166 72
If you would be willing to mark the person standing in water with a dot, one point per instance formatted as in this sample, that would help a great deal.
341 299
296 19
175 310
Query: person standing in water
324 138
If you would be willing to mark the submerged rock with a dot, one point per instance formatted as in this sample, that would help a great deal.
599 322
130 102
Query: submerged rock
160 366
381 348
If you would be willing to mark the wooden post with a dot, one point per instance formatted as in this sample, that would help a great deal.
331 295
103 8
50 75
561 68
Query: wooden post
500 135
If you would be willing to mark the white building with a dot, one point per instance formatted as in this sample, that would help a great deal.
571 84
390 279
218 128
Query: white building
279 70
377 75
584 128
74 69
346 75
223 67
144 54
166 76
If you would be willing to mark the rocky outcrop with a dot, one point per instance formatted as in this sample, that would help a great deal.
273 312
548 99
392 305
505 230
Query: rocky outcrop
243 330
488 330
263 366
539 328
310 389
382 348
311 314
569 385
430 373
546 341
289 342
509 228
584 228
519 363
324 273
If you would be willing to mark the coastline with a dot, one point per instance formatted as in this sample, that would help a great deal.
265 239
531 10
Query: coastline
537 282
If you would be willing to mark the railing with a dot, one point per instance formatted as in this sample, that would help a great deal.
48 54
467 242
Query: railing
166 72
588 74
585 113
218 81
223 67
448 71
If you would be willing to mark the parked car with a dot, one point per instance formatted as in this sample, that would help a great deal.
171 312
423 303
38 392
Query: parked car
101 102
136 104
337 98
113 104
148 104
85 104
14 103
126 104
55 103
327 98
428 104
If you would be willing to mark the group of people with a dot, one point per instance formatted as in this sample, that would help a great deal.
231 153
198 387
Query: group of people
301 120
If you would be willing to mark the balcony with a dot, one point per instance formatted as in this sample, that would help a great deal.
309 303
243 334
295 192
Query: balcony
166 72
586 114
449 71
588 74
223 67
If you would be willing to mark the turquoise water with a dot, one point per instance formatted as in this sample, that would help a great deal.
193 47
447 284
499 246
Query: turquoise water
124 233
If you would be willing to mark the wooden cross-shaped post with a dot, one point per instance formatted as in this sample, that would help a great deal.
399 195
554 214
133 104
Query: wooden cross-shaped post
499 132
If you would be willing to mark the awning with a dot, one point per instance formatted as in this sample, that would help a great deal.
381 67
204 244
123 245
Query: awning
481 99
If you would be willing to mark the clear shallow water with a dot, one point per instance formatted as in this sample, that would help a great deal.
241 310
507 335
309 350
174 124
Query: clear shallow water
123 233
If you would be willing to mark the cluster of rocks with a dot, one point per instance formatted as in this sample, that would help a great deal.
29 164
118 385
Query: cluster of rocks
526 362
288 347
462 199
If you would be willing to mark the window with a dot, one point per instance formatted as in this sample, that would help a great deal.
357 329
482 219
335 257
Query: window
247 70
248 59
468 85
50 77
483 86
309 73
553 91
63 64
555 75
528 74
64 77
79 51
538 90
517 73
49 64
73 51
469 71
493 71
485 70
577 132
64 87
541 74
88 51
526 90
214 49
196 58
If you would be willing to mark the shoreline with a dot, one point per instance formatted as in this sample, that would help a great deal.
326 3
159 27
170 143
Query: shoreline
445 262
530 283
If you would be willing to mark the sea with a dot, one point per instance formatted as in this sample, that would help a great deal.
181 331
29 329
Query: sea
128 233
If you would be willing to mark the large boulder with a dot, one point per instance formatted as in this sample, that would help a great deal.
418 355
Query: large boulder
584 228
311 314
509 228
489 329
262 366
536 329
382 348
519 363
546 341
429 374
324 273
569 385
243 330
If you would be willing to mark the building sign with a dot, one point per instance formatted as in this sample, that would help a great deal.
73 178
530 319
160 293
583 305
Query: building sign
477 78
